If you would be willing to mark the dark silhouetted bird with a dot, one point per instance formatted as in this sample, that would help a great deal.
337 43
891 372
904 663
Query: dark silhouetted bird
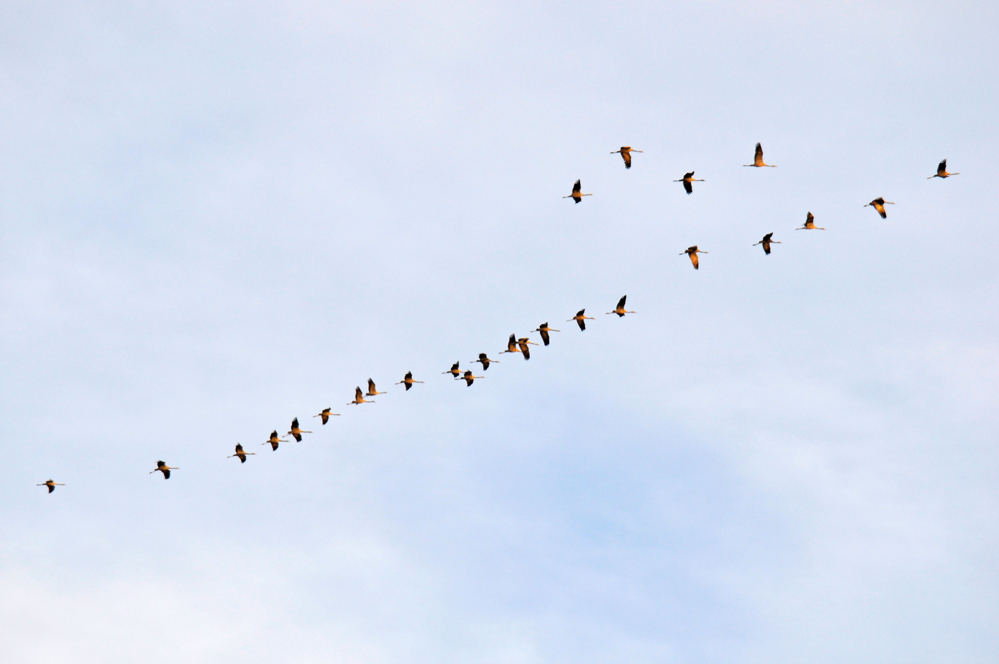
686 180
766 242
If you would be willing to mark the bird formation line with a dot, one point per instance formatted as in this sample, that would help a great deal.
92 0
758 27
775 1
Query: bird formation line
522 344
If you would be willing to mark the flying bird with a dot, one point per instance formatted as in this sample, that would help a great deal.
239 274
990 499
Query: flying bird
52 485
295 432
274 441
692 252
545 332
577 194
408 381
879 205
372 390
809 224
580 319
758 158
326 414
766 242
619 309
163 468
358 397
241 454
469 378
454 370
942 171
485 361
524 347
686 180
511 345
625 153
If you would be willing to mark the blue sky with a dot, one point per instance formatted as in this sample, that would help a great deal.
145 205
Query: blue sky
217 218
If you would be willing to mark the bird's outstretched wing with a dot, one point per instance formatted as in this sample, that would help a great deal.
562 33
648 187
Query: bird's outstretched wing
620 303
688 187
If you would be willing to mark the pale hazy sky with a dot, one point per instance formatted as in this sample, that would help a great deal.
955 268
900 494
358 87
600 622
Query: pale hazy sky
215 217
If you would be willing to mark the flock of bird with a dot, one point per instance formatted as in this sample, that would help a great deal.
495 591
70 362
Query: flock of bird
522 344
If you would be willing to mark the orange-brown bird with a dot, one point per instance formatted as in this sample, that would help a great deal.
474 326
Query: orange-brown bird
408 380
766 242
454 370
577 194
686 180
879 205
619 309
274 441
692 252
469 378
52 485
485 361
545 332
511 345
625 153
327 414
758 158
358 397
580 319
942 171
295 432
163 468
809 224
524 347
241 454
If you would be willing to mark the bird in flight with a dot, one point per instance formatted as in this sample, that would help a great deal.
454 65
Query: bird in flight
274 440
51 485
577 194
766 242
511 345
469 378
163 468
358 397
545 332
485 361
241 454
326 414
809 224
296 432
372 390
879 205
619 309
942 171
686 180
524 347
580 319
692 252
407 381
758 158
625 153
